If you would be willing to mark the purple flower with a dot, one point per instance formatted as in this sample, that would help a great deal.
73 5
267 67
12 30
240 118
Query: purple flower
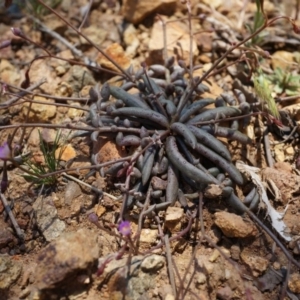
17 31
5 152
4 44
124 228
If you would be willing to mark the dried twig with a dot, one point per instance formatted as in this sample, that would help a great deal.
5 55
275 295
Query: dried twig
22 93
170 265
267 148
14 222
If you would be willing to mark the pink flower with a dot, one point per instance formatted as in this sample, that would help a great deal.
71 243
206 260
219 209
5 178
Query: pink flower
124 228
5 152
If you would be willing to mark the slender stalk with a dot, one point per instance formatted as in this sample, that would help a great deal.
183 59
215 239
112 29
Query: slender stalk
86 15
170 264
24 92
12 217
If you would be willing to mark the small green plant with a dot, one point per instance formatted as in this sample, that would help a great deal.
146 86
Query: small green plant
51 163
259 20
263 91
284 82
35 8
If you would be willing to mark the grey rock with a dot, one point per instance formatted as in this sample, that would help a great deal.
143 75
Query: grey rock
63 258
72 191
47 219
153 263
10 271
224 293
6 237
78 77
131 283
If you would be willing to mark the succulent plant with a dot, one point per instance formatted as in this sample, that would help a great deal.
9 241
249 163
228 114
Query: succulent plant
173 131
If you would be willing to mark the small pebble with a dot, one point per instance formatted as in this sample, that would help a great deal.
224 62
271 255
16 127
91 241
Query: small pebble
233 225
294 283
152 263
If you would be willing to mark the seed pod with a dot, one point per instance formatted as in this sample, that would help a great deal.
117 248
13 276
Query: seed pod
227 182
151 86
154 171
162 83
233 172
128 99
181 82
136 173
127 123
220 102
240 96
94 158
114 169
101 172
255 202
172 186
94 136
185 132
184 166
139 162
128 140
156 194
234 125
170 90
211 114
94 117
105 92
193 183
234 201
182 199
177 74
229 133
248 199
211 142
170 107
229 99
245 107
202 88
161 206
139 73
158 70
194 108
184 149
163 166
142 113
128 85
214 172
144 132
77 133
221 177
179 92
110 108
107 120
169 62
104 105
141 87
148 163
182 64
94 94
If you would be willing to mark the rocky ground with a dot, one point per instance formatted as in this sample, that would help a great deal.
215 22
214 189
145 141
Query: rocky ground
66 243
